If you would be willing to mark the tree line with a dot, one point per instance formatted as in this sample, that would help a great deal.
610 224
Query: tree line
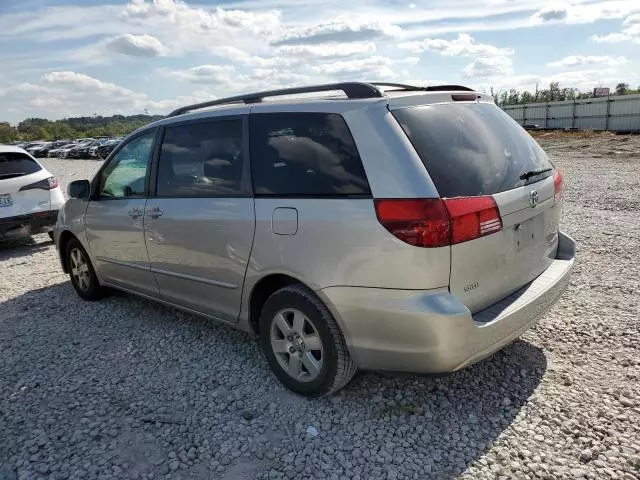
77 127
552 94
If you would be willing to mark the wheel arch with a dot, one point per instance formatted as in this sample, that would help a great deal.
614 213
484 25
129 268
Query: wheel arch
262 290
63 240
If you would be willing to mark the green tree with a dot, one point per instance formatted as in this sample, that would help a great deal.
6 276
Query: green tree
527 97
514 97
7 132
622 88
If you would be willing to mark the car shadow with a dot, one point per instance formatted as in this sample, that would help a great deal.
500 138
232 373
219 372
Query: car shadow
158 373
23 246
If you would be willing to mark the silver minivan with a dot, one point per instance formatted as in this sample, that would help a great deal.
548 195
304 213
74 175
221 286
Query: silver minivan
350 226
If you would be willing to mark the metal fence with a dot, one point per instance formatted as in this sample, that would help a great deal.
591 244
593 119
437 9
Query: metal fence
617 113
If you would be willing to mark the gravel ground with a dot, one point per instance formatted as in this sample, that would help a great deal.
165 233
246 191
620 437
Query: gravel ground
125 388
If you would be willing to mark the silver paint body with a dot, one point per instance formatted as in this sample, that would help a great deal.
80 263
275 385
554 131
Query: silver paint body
400 307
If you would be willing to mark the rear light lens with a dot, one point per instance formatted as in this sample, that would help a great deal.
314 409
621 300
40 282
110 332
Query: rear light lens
434 222
472 217
558 181
422 223
46 184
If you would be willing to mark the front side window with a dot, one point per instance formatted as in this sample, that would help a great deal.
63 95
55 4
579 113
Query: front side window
126 174
201 159
305 154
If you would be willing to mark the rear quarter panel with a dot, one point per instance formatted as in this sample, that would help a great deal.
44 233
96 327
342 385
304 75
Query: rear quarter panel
339 242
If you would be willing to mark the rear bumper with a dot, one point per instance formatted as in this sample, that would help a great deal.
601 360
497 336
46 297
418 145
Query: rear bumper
25 225
432 331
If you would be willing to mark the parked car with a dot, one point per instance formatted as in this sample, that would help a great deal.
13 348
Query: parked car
57 152
81 150
105 149
29 195
35 150
64 151
400 228
44 150
28 145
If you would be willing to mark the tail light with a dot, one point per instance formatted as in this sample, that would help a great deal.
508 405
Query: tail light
422 223
472 217
558 181
46 184
435 222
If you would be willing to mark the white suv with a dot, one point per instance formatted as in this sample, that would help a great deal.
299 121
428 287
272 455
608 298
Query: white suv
29 195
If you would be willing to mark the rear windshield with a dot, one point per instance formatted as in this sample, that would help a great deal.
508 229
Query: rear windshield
473 148
16 164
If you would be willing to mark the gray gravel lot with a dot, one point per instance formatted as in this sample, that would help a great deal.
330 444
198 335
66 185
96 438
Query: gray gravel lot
125 388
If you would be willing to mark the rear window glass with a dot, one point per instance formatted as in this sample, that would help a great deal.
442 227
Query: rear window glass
16 164
472 149
305 154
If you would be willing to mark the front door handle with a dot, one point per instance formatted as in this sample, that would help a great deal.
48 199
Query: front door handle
135 212
155 212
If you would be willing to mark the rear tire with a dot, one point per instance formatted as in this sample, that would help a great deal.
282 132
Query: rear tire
303 343
83 276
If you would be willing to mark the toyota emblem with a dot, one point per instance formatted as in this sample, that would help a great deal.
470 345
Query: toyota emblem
533 198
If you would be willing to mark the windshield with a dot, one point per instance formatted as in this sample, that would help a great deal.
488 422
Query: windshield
473 149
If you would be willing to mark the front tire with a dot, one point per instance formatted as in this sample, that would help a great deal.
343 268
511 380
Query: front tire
303 343
83 276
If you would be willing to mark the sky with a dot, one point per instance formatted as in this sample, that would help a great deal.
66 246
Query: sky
64 58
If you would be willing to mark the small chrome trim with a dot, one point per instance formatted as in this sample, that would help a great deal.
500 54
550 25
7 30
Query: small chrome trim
194 279
124 264
147 268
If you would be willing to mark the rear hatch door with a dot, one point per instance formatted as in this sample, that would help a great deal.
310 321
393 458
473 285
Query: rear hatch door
18 171
473 149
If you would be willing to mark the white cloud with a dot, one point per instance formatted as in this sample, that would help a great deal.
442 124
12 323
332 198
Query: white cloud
296 56
410 60
211 74
327 49
581 60
489 67
369 68
66 93
611 38
463 46
340 30
629 33
576 12
135 45
550 14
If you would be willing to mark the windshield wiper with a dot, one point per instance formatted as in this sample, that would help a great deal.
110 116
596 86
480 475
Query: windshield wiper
533 173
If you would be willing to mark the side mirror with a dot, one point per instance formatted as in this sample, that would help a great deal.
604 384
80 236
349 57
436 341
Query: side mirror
79 189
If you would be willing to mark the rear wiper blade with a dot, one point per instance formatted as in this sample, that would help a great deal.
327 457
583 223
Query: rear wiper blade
533 173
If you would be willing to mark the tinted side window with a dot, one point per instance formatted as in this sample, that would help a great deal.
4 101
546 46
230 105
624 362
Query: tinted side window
199 159
125 176
472 149
305 154
16 164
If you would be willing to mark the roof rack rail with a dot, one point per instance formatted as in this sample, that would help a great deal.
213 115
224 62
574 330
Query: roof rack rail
432 88
351 90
